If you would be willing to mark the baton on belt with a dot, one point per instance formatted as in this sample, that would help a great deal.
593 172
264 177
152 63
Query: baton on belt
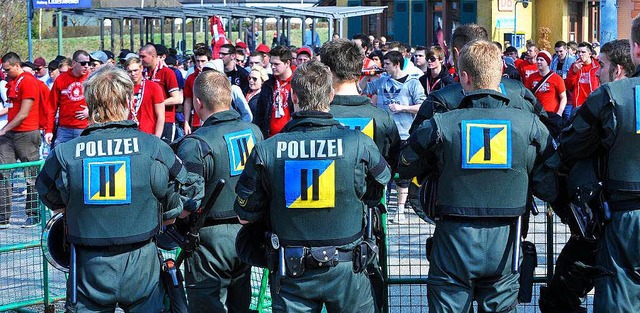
73 276
516 248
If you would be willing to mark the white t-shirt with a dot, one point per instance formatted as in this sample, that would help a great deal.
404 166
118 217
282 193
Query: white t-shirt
3 103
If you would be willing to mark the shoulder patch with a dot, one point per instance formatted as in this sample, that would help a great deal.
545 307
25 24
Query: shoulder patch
363 124
107 180
486 144
239 146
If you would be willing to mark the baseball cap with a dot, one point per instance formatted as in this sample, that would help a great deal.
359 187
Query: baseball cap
99 56
28 64
306 50
263 48
53 65
241 45
40 62
123 53
130 55
109 54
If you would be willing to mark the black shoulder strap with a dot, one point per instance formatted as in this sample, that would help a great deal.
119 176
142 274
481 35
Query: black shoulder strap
544 80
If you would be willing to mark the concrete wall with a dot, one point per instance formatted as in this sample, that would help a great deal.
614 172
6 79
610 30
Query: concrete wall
554 15
498 22
627 11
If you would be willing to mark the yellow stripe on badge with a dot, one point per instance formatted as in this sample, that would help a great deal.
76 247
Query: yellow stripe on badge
107 180
486 144
310 184
363 124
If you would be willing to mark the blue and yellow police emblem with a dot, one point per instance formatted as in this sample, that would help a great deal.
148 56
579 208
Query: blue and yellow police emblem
363 124
239 146
486 144
310 184
107 180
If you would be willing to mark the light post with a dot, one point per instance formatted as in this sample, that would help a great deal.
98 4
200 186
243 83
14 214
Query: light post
525 4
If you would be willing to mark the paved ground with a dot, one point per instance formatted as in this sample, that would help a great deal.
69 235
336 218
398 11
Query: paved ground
21 272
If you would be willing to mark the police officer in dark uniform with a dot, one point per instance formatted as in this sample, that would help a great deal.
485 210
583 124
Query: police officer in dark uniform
216 279
489 140
607 125
352 109
450 97
112 216
309 181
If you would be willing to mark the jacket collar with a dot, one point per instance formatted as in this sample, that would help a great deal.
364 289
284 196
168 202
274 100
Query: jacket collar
484 98
223 116
308 119
119 124
350 100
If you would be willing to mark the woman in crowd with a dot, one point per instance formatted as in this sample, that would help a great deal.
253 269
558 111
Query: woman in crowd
257 77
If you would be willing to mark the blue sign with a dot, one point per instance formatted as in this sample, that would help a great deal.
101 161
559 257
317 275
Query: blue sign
61 4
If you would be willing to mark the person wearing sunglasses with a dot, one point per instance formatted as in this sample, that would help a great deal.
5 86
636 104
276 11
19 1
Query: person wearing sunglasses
257 77
41 70
237 75
67 97
436 75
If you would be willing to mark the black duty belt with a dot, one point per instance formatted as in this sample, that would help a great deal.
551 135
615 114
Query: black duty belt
624 205
116 248
225 221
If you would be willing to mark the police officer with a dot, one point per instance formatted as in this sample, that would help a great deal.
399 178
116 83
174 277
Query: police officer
487 141
449 97
576 266
112 216
355 111
216 279
606 125
309 182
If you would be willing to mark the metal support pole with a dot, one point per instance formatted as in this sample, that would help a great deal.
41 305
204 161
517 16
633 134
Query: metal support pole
608 21
162 31
184 34
239 29
152 32
193 31
330 30
206 30
341 27
303 29
59 32
264 31
313 33
229 26
289 29
29 39
131 34
101 34
141 32
121 34
173 33
278 22
113 34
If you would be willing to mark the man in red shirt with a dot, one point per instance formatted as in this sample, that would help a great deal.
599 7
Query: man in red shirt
582 79
146 107
67 96
549 89
275 105
201 57
529 66
20 137
155 70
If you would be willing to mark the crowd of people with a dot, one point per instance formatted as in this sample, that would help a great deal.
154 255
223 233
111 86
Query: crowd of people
277 124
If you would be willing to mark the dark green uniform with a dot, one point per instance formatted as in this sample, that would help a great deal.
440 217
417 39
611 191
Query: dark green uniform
309 180
483 152
216 279
450 97
112 215
608 121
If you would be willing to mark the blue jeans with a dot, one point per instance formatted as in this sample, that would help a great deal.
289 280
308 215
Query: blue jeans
64 134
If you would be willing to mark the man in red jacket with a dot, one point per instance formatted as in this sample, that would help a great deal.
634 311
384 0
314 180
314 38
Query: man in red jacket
20 137
582 79
67 97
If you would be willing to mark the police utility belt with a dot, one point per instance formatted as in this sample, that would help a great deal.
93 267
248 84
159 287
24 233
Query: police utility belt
294 260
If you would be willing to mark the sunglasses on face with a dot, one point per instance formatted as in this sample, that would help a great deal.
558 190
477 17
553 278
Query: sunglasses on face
255 79
83 63
432 59
239 61
224 54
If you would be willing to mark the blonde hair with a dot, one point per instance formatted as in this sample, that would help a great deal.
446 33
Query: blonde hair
263 73
108 92
213 89
482 61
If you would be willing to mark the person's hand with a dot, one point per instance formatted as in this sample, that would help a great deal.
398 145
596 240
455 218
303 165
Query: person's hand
168 222
82 114
48 137
243 222
395 108
184 214
2 132
577 66
186 128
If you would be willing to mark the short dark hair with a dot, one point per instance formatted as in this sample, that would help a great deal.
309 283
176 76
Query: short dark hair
395 57
511 49
587 45
363 38
344 59
232 48
572 44
202 51
12 58
619 53
79 53
498 44
560 44
282 52
467 33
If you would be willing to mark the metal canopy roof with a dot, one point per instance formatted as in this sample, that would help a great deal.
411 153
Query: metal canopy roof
197 11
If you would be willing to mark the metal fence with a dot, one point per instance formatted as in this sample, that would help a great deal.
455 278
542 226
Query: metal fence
26 280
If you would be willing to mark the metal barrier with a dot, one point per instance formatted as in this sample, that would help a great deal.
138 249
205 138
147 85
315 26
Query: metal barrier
27 280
